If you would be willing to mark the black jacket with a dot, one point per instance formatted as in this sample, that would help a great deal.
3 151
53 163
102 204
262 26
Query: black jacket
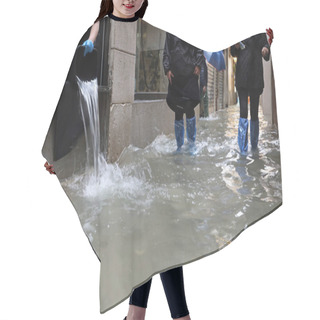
249 69
180 57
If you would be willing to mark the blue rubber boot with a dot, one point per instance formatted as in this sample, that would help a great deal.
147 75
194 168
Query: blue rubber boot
179 132
191 134
243 135
254 133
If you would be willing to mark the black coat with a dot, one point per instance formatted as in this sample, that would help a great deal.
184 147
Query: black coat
249 69
181 58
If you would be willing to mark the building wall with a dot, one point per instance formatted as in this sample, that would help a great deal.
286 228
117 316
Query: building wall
221 88
130 122
268 98
232 94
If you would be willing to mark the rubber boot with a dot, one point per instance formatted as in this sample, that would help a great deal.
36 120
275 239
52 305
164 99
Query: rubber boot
191 134
254 133
243 135
179 132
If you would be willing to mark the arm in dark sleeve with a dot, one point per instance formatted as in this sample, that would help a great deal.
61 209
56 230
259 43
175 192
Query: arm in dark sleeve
263 42
166 54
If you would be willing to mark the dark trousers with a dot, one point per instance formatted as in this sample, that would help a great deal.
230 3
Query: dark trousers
172 281
181 106
189 114
186 107
254 95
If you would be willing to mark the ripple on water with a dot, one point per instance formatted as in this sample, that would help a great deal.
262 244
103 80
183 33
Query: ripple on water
217 192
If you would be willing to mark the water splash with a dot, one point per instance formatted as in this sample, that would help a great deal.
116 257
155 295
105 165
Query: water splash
100 180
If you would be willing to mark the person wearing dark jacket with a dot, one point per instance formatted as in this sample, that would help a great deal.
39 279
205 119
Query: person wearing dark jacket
249 83
181 63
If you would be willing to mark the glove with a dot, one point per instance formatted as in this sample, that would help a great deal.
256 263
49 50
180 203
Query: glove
88 44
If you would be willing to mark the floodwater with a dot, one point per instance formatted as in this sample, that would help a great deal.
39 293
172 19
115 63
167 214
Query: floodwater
152 198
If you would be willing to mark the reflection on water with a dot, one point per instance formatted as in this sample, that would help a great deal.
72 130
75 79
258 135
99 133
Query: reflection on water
154 197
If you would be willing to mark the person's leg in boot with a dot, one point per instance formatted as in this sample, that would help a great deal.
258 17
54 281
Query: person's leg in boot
138 302
179 129
243 121
191 128
173 285
191 134
254 121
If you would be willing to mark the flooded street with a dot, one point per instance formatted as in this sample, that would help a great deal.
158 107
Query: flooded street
154 197
151 207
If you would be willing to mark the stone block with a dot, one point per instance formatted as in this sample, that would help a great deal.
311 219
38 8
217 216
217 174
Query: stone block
149 119
119 130
122 76
123 36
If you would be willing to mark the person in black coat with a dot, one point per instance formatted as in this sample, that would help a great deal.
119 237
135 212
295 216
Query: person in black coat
181 63
249 83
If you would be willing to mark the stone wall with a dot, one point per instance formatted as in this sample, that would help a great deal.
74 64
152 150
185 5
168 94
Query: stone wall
268 98
130 122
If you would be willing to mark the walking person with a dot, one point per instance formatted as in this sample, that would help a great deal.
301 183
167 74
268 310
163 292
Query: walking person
249 83
182 64
172 279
